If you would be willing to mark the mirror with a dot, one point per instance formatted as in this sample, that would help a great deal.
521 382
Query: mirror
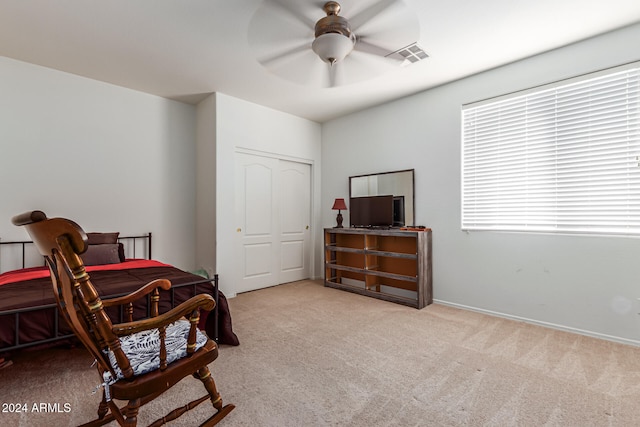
396 183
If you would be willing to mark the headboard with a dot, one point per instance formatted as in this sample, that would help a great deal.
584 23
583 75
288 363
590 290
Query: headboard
19 254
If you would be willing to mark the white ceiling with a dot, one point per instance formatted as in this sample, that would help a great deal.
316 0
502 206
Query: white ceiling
186 49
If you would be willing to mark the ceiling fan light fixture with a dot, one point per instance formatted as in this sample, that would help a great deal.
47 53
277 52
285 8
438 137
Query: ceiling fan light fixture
334 39
333 47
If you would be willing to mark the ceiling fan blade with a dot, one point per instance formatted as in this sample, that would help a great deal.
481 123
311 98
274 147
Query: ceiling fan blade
360 66
302 67
291 10
393 28
278 34
369 13
336 74
371 48
283 55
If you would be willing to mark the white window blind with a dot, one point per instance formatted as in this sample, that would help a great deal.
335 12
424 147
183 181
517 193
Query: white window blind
555 159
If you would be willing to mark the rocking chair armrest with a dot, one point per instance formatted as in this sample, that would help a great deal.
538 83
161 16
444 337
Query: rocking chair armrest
203 301
141 292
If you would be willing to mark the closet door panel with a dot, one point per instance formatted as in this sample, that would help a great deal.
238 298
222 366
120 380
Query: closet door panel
256 213
295 218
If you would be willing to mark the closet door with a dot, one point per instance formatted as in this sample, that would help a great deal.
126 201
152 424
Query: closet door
272 212
295 219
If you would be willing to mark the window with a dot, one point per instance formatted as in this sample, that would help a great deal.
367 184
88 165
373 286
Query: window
560 158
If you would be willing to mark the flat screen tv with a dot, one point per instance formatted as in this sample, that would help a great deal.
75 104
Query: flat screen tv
398 211
372 211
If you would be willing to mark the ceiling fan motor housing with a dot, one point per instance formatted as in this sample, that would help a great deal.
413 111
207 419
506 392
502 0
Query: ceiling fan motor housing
332 23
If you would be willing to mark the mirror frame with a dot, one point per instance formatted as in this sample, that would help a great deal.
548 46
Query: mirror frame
412 208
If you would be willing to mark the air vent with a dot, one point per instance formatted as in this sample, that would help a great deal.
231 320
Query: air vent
411 53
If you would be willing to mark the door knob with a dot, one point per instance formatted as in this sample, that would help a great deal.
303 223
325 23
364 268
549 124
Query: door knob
238 229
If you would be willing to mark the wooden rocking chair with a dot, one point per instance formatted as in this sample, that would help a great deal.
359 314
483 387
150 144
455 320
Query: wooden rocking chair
130 371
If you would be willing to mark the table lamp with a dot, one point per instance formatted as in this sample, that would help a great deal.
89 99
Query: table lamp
338 205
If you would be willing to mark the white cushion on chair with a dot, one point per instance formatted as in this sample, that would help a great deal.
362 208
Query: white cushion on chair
143 348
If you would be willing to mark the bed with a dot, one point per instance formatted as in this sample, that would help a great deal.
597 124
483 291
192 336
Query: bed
29 315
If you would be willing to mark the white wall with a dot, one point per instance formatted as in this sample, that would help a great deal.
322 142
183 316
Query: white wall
206 185
110 158
248 127
584 284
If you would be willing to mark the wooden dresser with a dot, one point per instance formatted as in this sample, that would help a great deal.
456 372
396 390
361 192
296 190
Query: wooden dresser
393 265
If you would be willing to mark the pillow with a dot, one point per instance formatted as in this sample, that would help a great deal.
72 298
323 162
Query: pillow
107 253
121 252
102 238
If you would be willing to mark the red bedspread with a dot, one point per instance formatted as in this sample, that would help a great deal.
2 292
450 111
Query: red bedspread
42 271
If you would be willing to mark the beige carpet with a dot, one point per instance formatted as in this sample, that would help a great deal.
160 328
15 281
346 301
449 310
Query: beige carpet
314 356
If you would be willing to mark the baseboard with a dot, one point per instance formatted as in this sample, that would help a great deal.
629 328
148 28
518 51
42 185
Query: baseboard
591 334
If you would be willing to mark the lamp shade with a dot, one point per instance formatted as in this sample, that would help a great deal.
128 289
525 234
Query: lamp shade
339 204
332 47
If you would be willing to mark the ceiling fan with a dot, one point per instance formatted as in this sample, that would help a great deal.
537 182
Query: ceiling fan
331 44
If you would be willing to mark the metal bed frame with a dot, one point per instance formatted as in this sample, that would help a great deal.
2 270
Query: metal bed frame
59 337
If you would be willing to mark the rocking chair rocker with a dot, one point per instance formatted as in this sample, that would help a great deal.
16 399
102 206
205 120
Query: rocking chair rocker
137 360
